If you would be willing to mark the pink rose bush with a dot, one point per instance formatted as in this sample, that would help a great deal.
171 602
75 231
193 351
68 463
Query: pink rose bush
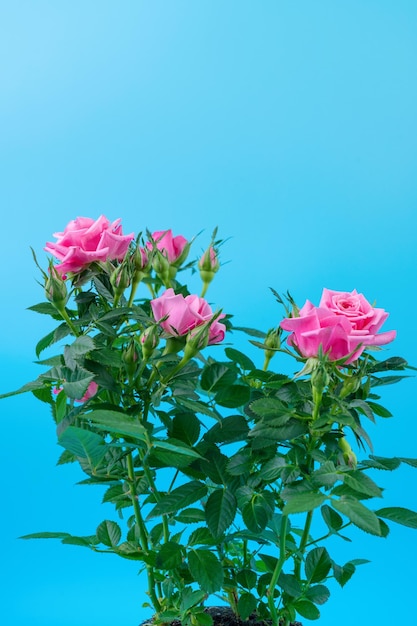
342 326
183 314
85 241
146 414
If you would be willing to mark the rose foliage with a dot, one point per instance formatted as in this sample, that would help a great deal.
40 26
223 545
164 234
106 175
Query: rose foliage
227 477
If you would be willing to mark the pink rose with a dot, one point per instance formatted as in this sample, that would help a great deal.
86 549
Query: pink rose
338 334
85 241
184 314
171 247
366 320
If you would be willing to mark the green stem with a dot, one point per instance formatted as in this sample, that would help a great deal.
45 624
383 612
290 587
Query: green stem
69 321
143 535
303 544
135 284
277 571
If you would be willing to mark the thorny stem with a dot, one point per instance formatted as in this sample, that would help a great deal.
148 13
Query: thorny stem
143 536
63 312
277 571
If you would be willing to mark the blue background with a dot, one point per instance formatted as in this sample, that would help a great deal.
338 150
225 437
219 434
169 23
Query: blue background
291 125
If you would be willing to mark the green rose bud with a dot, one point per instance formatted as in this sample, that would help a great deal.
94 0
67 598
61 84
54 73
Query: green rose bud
55 288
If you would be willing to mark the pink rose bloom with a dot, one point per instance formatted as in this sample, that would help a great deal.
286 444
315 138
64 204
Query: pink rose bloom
184 314
171 247
337 334
366 320
85 241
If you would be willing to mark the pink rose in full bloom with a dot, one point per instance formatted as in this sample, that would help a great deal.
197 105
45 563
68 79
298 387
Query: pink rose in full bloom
185 314
171 247
85 241
338 333
366 320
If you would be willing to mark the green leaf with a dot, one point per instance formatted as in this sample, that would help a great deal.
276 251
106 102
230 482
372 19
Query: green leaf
246 605
230 429
398 514
117 423
81 346
76 385
332 519
358 514
307 609
358 481
258 511
241 359
252 332
240 463
84 542
319 594
216 376
326 475
290 584
233 396
169 556
201 536
179 449
179 498
59 333
393 363
343 574
191 516
206 569
269 407
246 578
265 434
33 385
198 407
83 444
379 410
186 428
412 462
45 535
381 463
303 502
220 511
109 533
317 565
271 470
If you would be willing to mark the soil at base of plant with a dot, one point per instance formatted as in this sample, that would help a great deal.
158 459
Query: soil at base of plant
224 616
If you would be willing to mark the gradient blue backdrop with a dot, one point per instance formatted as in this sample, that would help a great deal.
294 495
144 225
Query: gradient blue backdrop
291 125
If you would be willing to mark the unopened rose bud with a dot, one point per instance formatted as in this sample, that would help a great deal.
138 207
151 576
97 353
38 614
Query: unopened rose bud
161 266
272 344
197 340
141 260
350 385
348 455
208 266
149 340
55 288
120 279
319 378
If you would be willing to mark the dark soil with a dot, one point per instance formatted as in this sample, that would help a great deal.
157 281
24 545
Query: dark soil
224 616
